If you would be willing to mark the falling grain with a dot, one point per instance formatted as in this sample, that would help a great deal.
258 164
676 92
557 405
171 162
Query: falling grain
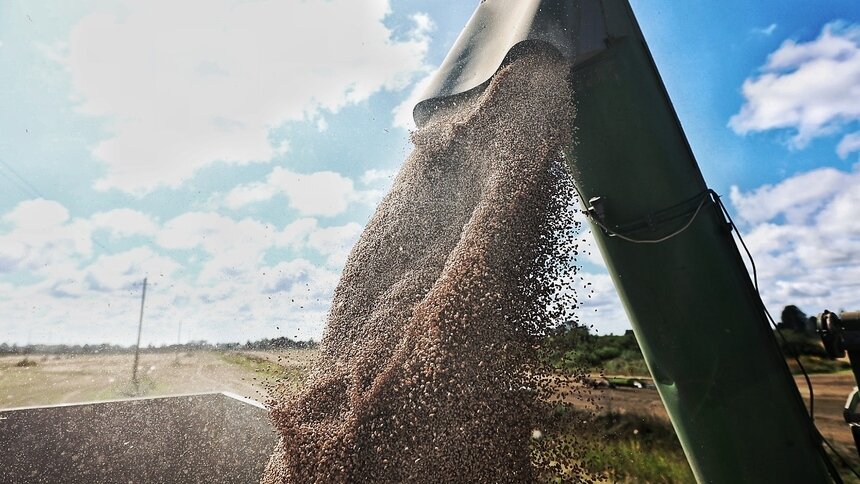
429 367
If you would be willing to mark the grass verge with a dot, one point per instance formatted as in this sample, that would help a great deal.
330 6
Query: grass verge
815 364
265 368
611 448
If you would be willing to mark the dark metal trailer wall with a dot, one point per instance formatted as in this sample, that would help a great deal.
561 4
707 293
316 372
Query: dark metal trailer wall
211 438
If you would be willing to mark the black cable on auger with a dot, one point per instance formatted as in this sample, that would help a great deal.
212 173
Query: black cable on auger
831 468
715 198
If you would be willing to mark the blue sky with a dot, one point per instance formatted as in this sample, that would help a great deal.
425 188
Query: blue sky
232 151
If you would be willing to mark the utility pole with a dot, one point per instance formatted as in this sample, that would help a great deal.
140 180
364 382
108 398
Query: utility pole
178 341
139 329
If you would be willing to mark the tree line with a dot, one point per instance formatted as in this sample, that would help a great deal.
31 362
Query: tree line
574 347
265 344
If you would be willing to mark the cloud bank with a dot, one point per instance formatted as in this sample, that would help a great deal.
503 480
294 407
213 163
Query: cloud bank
187 84
224 278
810 89
804 233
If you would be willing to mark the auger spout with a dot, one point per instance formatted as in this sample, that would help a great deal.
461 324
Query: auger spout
663 234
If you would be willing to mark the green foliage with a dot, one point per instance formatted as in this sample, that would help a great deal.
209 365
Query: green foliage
621 447
626 365
814 364
26 363
810 350
797 343
630 461
606 353
264 367
575 348
793 318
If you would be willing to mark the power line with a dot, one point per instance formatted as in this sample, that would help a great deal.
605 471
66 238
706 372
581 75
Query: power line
16 183
28 188
33 190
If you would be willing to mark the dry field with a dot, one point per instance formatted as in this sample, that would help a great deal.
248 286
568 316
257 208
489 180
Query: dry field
83 378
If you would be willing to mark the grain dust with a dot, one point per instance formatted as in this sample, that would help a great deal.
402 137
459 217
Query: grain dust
429 368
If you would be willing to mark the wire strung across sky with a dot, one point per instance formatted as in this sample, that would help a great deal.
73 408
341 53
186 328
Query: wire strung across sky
29 189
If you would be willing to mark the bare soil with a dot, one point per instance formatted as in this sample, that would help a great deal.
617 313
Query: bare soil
831 392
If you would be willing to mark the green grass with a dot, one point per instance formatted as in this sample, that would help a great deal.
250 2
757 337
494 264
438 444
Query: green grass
25 385
815 364
264 367
629 460
612 447
620 366
26 363
83 378
574 349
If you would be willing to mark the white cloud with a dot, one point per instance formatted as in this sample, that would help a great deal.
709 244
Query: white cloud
335 242
599 304
283 147
424 25
191 83
125 270
101 302
842 213
796 198
37 214
837 41
849 144
233 247
403 112
765 31
807 252
250 193
125 222
299 276
296 233
373 176
809 88
41 236
213 232
321 193
205 269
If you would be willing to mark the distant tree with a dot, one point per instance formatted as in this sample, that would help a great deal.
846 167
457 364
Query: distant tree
794 319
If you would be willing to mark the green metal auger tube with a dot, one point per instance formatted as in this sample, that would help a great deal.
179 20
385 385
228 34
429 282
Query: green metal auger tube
671 254
694 309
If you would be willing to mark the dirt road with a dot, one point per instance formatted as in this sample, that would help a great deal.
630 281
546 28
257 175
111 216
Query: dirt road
831 391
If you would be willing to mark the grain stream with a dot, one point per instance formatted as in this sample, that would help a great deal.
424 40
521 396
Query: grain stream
429 368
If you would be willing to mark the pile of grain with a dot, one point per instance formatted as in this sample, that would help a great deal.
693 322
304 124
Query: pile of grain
428 369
